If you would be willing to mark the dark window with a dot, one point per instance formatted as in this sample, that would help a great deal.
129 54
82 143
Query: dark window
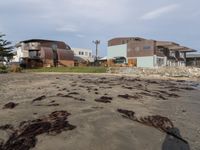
147 47
33 53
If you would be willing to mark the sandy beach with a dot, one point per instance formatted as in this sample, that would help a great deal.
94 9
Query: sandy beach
83 112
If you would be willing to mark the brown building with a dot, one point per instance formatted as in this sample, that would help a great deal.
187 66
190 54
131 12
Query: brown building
141 52
44 53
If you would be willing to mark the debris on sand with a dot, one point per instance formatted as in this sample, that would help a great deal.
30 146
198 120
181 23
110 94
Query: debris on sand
73 93
105 87
104 99
53 104
10 105
97 107
6 127
60 94
39 98
127 87
154 94
169 94
127 113
95 89
157 121
48 105
24 137
69 96
80 99
127 96
161 97
188 88
161 123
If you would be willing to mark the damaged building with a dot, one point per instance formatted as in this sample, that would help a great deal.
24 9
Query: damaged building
43 53
142 52
82 56
193 60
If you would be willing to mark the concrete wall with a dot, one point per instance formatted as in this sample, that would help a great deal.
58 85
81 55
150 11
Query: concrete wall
145 62
116 51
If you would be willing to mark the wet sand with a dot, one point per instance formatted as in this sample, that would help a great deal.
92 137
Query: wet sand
93 121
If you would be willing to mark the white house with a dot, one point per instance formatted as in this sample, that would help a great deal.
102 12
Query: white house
18 54
83 54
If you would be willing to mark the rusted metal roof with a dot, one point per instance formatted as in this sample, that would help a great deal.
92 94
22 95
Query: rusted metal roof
48 43
65 54
165 43
174 46
127 38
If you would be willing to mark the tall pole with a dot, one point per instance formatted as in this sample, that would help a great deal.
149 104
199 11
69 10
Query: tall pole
97 42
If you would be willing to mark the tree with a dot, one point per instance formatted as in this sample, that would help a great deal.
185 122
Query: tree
5 49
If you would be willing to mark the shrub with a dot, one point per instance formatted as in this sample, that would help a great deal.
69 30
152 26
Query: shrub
3 69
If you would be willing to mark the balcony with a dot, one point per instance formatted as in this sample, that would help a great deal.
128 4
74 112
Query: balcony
32 46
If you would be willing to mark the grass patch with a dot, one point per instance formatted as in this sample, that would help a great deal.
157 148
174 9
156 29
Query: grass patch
71 69
3 69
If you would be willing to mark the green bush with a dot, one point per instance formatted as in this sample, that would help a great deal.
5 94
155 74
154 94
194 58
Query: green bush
3 69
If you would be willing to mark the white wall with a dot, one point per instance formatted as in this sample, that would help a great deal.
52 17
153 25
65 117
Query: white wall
145 62
116 51
18 54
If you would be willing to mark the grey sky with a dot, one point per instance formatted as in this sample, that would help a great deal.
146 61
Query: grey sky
78 22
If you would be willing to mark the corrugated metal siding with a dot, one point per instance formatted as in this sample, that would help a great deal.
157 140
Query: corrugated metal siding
47 53
47 43
65 54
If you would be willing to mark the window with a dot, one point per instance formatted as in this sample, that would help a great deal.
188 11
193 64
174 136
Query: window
82 53
90 54
79 53
33 53
147 47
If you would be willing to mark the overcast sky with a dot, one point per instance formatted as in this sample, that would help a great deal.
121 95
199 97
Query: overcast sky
78 22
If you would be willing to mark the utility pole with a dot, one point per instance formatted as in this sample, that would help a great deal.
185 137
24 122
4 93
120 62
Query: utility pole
97 42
